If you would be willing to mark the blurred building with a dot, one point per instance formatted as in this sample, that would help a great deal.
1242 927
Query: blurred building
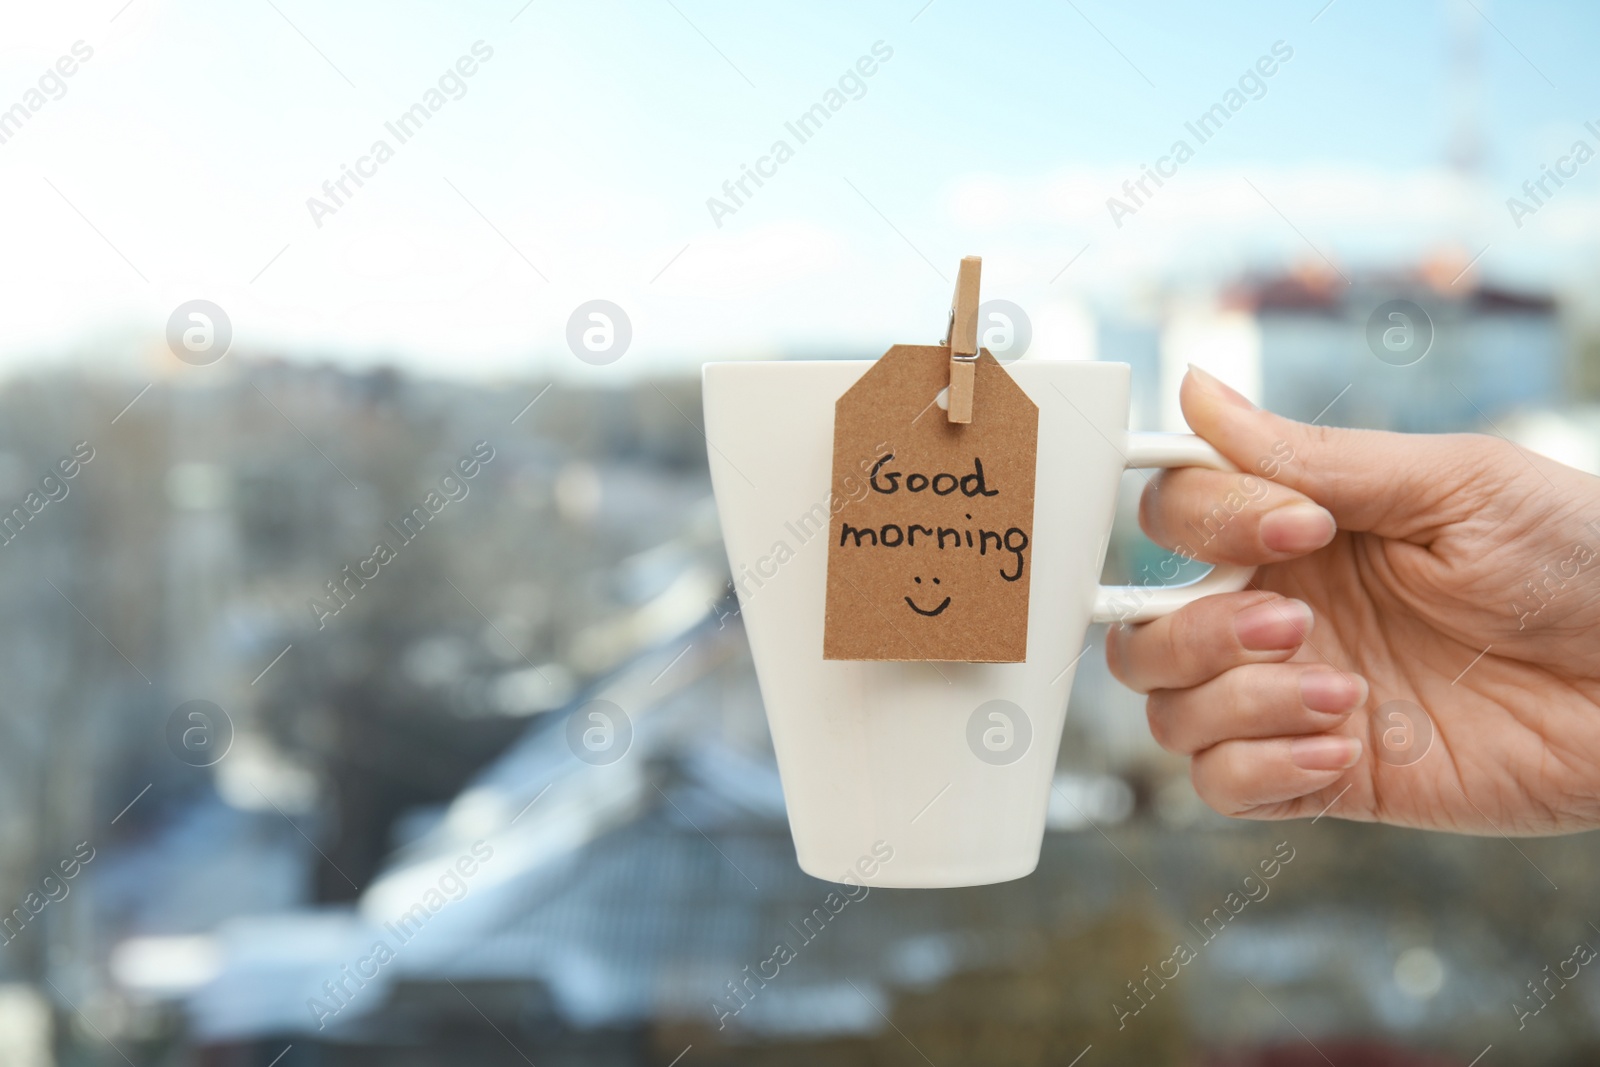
1462 353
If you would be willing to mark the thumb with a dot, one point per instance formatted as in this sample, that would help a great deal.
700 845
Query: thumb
1391 484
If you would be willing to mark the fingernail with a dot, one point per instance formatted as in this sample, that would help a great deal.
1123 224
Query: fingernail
1297 528
1225 393
1274 626
1325 753
1332 692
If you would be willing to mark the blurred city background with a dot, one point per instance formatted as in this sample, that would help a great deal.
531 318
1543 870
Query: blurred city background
240 744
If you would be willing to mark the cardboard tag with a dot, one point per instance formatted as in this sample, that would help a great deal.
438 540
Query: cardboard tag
930 555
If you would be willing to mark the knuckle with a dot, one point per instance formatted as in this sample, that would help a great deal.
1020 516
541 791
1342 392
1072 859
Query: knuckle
1150 504
1230 787
1187 636
1238 690
1158 713
1117 637
1114 650
1201 777
1501 455
1320 438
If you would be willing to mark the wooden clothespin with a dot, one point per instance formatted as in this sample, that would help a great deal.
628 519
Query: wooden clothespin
963 339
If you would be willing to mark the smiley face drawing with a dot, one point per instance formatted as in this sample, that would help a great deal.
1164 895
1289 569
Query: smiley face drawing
929 613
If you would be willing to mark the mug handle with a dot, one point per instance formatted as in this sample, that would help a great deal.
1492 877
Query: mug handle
1141 603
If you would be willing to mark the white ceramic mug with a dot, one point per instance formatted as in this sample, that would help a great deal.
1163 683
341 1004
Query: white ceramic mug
948 764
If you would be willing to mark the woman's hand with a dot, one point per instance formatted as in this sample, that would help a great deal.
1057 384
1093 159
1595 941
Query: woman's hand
1458 573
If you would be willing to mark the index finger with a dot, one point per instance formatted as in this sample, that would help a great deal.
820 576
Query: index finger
1220 517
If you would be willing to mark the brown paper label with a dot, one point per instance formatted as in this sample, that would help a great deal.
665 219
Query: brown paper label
930 553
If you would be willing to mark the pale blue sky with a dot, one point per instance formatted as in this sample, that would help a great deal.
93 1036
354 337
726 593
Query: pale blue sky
586 148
